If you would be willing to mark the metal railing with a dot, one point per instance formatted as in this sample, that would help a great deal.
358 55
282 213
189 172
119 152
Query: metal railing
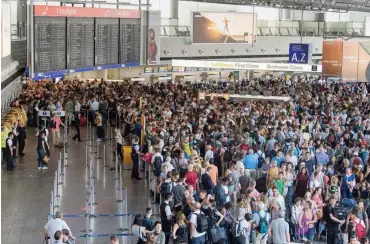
284 28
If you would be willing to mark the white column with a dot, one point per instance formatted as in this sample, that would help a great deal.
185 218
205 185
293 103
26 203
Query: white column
105 77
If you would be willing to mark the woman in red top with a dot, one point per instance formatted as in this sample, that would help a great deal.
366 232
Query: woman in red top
191 177
152 48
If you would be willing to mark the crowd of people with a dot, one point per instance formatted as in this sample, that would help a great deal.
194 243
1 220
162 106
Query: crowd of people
234 171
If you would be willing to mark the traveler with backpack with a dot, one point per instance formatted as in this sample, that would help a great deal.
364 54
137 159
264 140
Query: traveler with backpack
166 186
241 228
157 160
279 230
360 226
198 225
261 221
166 215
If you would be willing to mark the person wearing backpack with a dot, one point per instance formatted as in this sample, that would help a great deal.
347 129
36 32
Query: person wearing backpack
241 228
166 186
360 226
166 215
157 161
261 220
198 225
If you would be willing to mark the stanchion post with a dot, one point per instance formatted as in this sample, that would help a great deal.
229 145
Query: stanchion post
86 155
60 173
105 156
116 167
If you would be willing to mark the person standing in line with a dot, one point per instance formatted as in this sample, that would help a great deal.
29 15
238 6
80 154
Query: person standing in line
99 126
55 128
21 138
77 127
114 239
166 215
4 136
69 112
279 230
15 139
41 150
8 152
135 154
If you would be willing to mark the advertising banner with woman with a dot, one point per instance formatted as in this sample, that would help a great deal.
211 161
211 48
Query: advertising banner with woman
154 34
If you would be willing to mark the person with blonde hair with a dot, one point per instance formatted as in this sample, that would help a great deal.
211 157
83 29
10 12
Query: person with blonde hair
179 230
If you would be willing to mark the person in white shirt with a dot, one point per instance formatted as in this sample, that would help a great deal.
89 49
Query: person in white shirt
53 225
168 164
243 227
195 236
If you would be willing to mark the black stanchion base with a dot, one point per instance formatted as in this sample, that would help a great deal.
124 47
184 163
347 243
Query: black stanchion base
122 229
84 231
119 201
60 183
95 203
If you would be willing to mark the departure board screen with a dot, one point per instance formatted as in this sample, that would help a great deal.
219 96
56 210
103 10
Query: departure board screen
130 33
80 42
50 43
106 41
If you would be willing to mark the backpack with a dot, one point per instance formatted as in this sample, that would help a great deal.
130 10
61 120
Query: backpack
166 188
202 222
360 229
262 227
235 229
261 161
158 162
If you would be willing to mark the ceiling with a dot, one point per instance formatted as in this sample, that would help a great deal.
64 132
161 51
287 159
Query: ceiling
309 5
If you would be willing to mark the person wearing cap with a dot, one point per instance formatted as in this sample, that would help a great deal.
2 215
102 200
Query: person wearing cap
356 160
56 224
279 229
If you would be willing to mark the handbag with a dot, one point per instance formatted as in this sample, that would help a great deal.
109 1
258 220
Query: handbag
218 234
45 159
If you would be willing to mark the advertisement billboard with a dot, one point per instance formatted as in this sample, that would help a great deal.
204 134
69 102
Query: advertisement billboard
332 56
210 27
154 34
356 61
300 53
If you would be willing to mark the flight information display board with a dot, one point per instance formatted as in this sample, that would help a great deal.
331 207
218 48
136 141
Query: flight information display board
80 42
50 43
130 33
106 41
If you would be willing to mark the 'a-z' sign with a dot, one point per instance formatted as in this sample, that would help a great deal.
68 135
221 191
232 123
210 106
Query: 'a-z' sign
300 53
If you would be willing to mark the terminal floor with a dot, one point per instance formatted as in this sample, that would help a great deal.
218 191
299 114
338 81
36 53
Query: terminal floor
25 195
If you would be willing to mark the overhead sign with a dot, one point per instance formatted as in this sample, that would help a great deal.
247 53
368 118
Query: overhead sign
62 11
300 53
248 65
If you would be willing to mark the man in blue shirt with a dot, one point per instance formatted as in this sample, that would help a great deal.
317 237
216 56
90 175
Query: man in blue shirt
321 156
279 158
251 163
309 163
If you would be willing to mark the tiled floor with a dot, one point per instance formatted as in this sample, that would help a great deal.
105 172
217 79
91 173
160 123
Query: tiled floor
25 195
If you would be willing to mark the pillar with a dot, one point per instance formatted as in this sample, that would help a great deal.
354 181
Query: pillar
105 76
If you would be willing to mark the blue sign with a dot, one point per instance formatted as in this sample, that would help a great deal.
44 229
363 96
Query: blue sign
61 73
300 53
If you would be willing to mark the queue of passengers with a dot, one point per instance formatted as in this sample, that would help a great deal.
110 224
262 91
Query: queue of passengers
239 172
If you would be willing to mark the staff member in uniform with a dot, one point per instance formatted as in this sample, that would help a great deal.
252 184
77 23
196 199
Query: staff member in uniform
21 138
135 153
8 152
4 135
15 139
